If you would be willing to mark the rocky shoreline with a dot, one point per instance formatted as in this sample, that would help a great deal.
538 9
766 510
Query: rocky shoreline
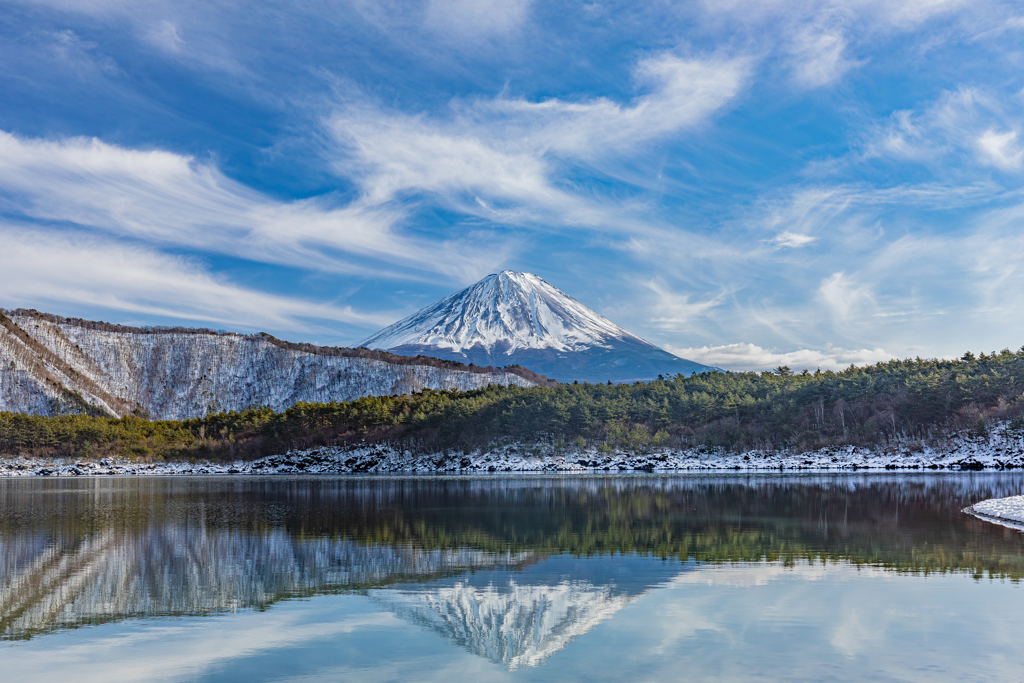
1001 450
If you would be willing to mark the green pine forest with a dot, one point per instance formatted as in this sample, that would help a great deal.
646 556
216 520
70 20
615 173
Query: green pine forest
912 402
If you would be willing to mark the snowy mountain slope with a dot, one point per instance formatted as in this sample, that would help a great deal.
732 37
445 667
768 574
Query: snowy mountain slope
515 310
50 365
519 318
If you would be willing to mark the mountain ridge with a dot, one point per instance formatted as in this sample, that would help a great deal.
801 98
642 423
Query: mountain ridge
521 318
52 365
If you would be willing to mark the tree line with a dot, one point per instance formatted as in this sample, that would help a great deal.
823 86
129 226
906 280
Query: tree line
912 401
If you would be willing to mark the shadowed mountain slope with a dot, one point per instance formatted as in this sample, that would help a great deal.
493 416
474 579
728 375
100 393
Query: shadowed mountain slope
518 318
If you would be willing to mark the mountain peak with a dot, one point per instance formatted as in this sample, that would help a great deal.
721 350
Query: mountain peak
519 318
507 310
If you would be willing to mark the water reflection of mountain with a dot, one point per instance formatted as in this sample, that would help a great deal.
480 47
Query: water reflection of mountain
521 619
510 568
59 583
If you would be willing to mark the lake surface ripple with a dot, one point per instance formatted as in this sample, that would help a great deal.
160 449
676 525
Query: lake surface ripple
580 577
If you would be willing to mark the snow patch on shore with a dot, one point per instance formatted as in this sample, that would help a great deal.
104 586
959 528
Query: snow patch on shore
1002 449
1008 512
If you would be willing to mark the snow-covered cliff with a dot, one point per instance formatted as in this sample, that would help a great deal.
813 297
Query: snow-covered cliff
50 365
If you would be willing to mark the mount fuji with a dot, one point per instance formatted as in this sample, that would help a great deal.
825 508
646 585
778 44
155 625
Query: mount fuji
519 319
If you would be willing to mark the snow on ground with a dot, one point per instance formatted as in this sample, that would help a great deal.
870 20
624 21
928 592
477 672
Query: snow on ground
1002 449
1005 511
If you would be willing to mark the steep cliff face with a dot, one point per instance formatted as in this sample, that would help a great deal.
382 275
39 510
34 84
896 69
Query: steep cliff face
50 365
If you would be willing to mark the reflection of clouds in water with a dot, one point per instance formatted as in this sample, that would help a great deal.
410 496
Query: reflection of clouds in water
158 651
682 621
746 575
709 631
855 624
857 629
855 618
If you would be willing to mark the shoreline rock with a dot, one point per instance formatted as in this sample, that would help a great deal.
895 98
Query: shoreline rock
1002 450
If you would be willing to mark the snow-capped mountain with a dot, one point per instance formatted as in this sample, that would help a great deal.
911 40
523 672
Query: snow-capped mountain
518 318
51 365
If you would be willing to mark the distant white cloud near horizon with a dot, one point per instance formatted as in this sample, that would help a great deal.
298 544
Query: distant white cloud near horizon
743 357
748 183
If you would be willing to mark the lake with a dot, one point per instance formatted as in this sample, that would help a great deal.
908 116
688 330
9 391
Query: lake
655 577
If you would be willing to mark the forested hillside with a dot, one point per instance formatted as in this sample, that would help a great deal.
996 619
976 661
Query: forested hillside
913 401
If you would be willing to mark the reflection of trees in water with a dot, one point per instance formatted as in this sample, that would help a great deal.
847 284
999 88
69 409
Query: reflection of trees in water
911 523
174 570
85 551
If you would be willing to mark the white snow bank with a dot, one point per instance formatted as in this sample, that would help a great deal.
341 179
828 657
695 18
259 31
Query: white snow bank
1005 511
1003 449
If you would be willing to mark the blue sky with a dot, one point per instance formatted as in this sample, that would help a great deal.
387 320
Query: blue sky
744 183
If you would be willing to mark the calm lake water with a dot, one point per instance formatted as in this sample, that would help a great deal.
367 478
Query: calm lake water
590 578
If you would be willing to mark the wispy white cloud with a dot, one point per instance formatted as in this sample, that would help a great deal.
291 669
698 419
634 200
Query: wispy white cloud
682 92
868 281
1001 149
165 35
818 56
843 296
975 125
800 216
170 199
476 19
47 266
673 310
391 154
501 157
793 240
896 14
915 11
815 37
80 56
